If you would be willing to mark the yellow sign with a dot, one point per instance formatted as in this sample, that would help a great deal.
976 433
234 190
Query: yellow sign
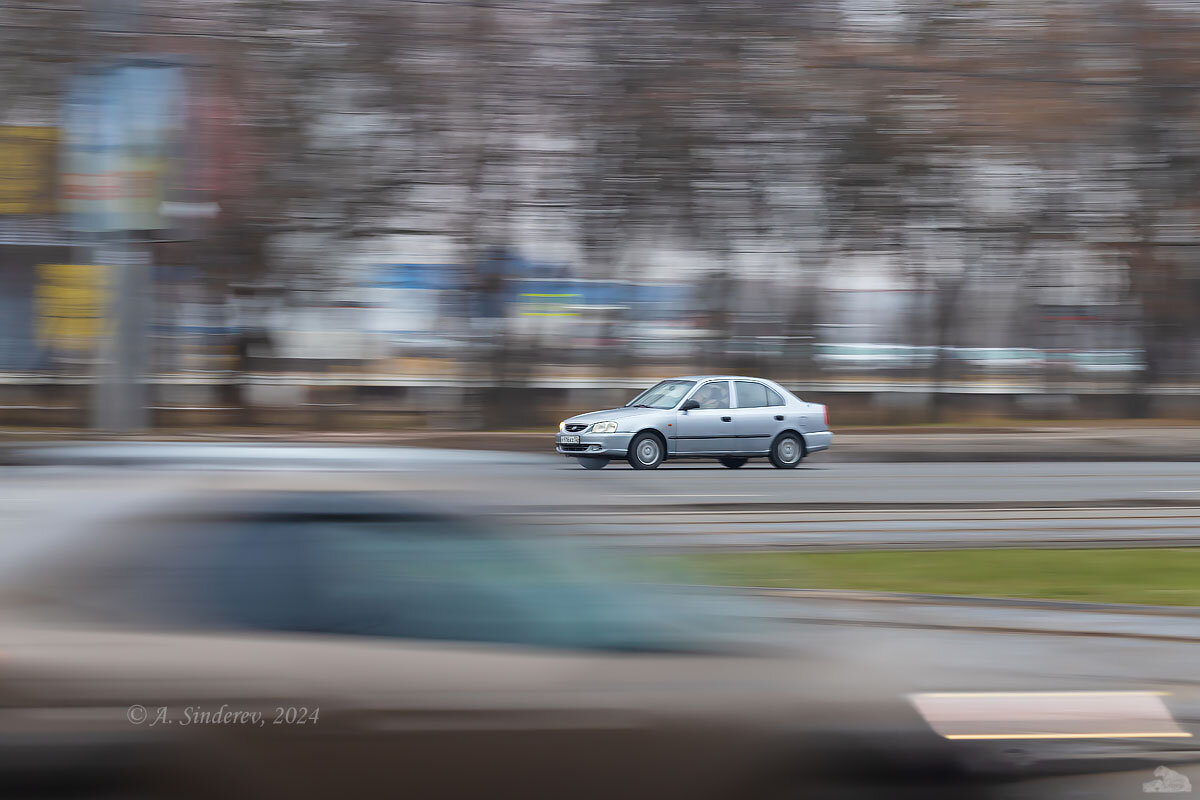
27 169
72 303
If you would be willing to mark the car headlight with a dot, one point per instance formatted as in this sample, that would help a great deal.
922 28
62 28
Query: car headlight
604 427
562 426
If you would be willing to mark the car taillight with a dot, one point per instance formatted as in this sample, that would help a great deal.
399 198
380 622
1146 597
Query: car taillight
826 417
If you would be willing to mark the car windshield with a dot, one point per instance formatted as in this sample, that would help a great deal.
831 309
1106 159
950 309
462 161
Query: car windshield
663 395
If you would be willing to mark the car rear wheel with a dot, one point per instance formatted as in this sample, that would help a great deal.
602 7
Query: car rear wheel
787 451
593 462
645 451
734 463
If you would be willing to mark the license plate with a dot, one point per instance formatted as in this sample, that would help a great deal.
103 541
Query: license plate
569 440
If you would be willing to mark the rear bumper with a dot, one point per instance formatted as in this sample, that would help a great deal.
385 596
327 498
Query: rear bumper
816 442
612 445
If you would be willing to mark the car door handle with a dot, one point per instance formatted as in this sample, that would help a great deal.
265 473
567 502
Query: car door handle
726 419
779 417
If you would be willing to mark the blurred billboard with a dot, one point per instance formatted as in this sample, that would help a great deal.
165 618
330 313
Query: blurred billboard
119 127
71 303
27 169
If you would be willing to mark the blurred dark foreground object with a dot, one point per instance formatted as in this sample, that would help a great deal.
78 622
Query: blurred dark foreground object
344 644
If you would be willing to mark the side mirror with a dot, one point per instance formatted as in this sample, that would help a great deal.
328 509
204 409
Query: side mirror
688 405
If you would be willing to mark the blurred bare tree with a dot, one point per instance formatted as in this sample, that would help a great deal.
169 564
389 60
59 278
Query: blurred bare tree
1046 150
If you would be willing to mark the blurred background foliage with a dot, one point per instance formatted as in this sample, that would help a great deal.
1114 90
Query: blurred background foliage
989 188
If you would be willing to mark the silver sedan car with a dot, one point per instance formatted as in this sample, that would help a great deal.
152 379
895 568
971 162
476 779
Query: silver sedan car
727 417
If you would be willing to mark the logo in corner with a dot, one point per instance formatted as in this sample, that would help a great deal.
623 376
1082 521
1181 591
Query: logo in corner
1167 780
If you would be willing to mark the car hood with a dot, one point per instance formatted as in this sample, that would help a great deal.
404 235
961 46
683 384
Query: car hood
614 414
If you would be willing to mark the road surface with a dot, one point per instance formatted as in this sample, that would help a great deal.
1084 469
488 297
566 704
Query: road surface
823 504
947 647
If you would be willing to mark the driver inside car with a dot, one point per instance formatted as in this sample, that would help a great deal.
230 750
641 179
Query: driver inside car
714 395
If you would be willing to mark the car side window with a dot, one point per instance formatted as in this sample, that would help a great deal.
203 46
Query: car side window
773 397
751 395
713 395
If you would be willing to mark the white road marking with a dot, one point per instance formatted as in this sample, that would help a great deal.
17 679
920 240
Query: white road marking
1072 693
1049 715
1105 735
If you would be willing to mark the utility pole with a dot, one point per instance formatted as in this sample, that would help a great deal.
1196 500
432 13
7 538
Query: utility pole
119 391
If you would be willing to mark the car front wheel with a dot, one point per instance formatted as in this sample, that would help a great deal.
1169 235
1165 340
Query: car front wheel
646 451
787 451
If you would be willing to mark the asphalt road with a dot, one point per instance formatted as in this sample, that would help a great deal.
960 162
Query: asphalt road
549 480
1005 648
830 505
918 647
885 529
826 482
823 504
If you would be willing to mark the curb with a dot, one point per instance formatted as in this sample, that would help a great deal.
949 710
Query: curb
855 595
1024 628
1003 629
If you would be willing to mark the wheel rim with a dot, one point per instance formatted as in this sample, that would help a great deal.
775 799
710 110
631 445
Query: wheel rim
647 451
789 451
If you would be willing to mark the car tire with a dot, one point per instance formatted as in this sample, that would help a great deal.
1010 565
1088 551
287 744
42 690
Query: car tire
733 463
593 462
786 451
646 451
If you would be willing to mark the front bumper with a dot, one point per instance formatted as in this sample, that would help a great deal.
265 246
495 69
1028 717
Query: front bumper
612 445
